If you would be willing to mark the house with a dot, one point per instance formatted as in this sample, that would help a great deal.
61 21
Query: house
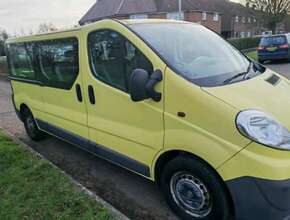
227 18
192 10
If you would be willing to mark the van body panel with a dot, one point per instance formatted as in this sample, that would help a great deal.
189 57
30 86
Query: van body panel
257 161
115 121
28 94
260 94
208 130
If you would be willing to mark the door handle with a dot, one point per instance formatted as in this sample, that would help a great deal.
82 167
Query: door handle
91 95
79 92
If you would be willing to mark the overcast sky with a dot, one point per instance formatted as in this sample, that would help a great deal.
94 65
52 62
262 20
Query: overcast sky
26 15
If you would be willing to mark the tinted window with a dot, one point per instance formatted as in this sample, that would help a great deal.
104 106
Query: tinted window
193 51
21 60
113 58
59 63
276 40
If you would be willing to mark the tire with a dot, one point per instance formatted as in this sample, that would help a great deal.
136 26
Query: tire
31 127
185 177
261 61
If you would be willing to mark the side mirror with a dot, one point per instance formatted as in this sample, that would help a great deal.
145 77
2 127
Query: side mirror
142 85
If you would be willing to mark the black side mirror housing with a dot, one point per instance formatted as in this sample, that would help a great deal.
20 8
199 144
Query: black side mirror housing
142 86
138 81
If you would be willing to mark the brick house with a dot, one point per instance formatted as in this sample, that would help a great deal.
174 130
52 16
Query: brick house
192 10
227 18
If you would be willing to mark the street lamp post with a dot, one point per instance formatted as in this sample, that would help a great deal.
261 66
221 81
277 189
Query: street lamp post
180 9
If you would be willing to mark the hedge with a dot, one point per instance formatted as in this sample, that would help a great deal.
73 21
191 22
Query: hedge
3 65
245 43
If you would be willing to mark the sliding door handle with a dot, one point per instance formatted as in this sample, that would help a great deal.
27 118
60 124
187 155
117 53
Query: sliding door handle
91 95
79 92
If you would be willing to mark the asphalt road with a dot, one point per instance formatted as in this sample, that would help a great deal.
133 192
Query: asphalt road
135 196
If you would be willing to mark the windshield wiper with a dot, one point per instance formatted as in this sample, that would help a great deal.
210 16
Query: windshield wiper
227 81
244 74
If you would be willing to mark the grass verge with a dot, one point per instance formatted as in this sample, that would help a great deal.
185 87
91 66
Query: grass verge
253 55
31 188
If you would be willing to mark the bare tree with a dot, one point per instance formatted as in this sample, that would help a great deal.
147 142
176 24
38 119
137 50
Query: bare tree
46 27
272 11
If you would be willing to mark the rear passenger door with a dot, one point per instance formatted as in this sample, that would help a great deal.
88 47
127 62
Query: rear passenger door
64 111
132 131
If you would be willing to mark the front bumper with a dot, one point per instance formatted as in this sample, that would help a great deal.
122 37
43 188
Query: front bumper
269 56
258 179
260 199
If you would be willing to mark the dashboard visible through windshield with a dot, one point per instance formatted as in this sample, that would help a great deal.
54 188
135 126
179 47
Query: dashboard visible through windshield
193 51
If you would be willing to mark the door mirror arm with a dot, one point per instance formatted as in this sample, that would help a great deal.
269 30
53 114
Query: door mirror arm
155 78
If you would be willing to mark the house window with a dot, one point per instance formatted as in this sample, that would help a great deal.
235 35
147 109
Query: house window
216 17
242 34
139 16
175 15
249 34
243 19
255 20
237 19
249 20
204 16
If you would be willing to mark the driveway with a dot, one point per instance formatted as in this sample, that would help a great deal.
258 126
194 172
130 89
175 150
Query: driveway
133 195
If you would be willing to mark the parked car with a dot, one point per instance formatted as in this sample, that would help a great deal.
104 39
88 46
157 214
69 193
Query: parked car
171 101
267 33
274 47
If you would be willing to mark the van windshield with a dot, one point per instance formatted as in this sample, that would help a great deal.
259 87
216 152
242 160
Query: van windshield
275 40
193 51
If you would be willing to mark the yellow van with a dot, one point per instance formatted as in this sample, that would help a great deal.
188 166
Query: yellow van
171 101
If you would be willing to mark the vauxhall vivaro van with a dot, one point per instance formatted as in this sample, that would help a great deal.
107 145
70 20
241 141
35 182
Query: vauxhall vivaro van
171 101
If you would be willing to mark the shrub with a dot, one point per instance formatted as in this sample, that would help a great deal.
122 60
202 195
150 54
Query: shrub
245 43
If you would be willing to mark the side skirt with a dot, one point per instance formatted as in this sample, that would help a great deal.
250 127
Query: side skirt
94 148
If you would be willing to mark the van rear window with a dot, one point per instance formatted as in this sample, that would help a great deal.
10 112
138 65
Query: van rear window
21 61
276 40
55 63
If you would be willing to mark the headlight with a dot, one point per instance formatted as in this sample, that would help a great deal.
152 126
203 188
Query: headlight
263 129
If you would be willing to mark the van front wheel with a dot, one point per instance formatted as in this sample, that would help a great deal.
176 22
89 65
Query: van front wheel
31 127
193 190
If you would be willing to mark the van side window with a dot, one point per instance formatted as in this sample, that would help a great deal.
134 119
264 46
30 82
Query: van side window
59 62
113 58
21 60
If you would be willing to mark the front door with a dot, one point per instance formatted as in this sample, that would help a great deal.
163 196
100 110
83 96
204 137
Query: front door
132 131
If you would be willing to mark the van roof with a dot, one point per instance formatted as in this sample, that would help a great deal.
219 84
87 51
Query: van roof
125 21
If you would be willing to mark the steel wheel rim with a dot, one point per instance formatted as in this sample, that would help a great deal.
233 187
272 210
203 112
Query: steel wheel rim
191 194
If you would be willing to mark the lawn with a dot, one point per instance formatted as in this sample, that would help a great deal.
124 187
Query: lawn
3 65
31 188
253 55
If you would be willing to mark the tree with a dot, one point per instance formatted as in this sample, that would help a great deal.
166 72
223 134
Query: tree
46 27
3 38
272 11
